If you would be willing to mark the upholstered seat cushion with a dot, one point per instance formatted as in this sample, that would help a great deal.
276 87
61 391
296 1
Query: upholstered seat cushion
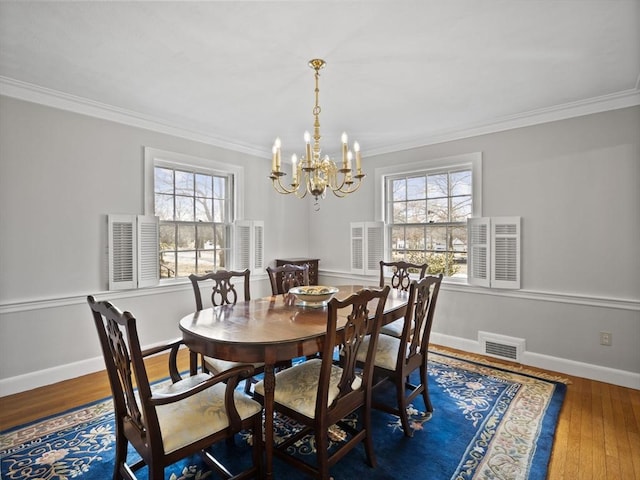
386 351
216 365
186 421
394 328
297 387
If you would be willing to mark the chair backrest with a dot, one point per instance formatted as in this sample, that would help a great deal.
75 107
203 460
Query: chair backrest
286 276
120 355
223 289
423 295
360 323
401 270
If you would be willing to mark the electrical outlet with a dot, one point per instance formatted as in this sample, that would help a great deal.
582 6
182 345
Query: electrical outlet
605 338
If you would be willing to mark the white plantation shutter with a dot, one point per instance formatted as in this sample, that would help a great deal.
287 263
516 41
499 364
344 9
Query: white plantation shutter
367 247
249 244
357 247
494 252
242 245
148 256
122 252
133 251
479 256
505 262
374 247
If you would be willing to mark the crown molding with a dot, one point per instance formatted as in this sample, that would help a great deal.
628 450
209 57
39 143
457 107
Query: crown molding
64 101
53 98
614 101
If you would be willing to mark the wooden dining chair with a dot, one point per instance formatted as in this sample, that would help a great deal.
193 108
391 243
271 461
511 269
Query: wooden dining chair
319 393
223 292
175 420
400 280
286 276
397 358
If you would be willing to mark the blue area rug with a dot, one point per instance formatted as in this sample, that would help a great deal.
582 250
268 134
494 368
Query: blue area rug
488 423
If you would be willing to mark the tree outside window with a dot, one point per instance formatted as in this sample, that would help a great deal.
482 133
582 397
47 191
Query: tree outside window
193 208
427 216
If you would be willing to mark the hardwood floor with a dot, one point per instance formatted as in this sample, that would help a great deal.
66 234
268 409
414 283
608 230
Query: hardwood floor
597 437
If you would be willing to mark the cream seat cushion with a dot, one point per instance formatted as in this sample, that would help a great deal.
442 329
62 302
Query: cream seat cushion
216 365
195 417
386 351
394 328
297 386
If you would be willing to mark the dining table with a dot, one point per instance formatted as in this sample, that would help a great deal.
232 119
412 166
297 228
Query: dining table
270 330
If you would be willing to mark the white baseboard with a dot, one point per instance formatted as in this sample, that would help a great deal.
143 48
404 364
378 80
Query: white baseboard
622 378
29 381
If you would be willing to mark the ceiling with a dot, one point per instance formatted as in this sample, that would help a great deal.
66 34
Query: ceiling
399 74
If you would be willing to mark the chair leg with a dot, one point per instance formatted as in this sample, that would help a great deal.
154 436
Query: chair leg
425 389
322 453
156 473
120 455
368 439
402 406
258 447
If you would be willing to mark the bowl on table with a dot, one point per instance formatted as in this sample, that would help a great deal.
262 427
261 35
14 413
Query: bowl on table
314 295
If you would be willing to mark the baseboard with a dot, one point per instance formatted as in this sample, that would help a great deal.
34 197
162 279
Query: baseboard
622 378
29 381
48 376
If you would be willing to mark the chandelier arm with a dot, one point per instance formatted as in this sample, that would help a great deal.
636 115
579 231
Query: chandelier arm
280 188
343 193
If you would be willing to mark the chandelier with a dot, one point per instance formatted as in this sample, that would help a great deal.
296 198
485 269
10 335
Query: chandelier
314 174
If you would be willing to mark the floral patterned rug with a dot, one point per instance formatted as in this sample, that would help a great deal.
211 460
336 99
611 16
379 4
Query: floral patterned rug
489 422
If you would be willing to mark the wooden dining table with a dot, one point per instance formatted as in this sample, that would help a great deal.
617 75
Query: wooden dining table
272 330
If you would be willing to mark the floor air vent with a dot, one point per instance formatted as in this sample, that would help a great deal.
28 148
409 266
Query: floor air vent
501 346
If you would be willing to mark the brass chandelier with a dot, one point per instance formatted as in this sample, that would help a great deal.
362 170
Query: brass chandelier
315 175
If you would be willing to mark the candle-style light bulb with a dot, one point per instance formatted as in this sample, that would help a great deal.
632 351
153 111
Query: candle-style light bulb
344 149
274 151
307 152
294 169
356 148
276 145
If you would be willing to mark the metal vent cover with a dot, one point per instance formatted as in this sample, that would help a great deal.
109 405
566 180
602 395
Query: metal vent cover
501 350
501 346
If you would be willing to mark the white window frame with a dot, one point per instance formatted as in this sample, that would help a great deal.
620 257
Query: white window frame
154 157
471 161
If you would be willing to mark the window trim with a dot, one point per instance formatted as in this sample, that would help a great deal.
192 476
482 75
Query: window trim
467 160
154 157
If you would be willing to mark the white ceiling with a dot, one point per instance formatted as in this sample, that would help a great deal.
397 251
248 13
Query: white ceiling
399 73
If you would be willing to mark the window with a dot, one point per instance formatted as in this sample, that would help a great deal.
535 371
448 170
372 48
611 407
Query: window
194 202
425 210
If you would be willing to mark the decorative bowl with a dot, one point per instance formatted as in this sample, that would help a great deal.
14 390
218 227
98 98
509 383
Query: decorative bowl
314 294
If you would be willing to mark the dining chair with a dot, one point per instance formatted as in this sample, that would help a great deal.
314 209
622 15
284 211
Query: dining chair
397 358
223 292
400 280
176 419
319 393
286 276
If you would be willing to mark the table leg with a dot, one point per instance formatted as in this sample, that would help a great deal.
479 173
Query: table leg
269 388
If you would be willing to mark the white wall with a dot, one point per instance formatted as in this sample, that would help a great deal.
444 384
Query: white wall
575 183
